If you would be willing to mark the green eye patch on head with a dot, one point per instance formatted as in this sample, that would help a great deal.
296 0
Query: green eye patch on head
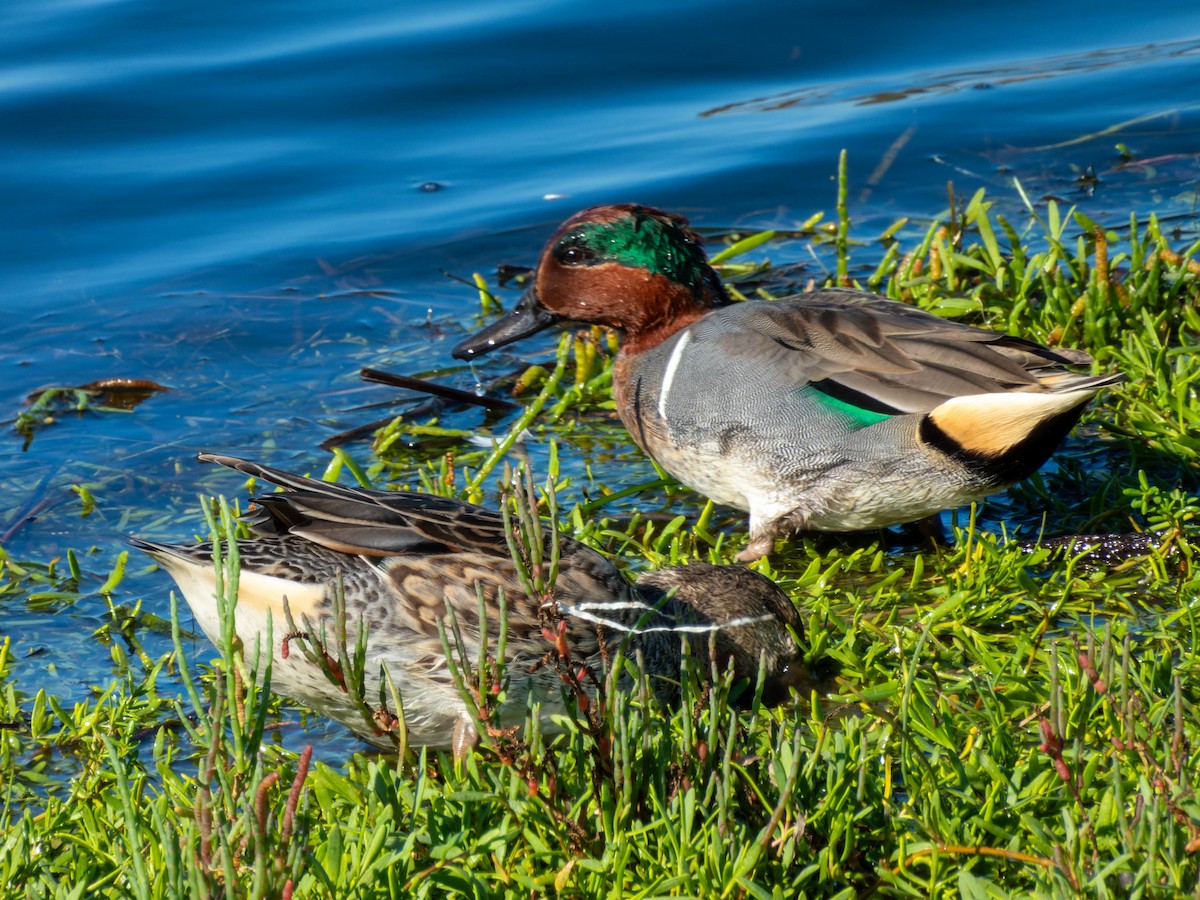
639 242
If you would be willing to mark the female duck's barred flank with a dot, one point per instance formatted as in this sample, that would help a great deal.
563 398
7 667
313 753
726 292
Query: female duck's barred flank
835 410
404 562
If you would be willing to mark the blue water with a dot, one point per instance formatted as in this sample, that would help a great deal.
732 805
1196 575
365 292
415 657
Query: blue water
248 202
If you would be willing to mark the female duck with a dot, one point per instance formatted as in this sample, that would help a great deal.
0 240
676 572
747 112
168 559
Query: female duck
835 410
403 560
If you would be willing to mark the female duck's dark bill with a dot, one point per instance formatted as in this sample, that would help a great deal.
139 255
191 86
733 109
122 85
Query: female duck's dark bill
526 318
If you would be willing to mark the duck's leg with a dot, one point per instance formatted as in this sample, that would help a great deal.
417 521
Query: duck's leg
929 529
762 538
757 548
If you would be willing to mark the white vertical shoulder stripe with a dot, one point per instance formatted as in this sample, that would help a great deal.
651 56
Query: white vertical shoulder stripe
672 365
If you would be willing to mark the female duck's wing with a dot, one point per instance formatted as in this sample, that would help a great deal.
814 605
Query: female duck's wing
403 530
884 356
368 522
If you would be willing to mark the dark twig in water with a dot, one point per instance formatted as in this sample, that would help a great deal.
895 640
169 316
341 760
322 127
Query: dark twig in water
495 404
30 511
1102 549
356 433
440 395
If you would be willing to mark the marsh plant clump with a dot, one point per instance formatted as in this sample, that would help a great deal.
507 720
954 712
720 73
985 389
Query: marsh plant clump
987 718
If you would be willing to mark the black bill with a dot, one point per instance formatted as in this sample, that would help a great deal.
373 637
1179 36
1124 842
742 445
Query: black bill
526 318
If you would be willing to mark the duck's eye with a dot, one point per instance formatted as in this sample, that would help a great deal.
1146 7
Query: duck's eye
574 254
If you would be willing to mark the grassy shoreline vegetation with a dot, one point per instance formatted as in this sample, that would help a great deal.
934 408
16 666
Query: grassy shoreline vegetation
985 719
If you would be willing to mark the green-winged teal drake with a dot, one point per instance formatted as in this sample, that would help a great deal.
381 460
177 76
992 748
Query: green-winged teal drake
835 410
